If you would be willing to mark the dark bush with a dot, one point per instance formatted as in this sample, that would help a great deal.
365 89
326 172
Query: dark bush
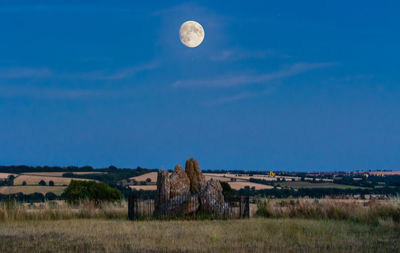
51 183
24 183
90 190
50 196
68 174
42 183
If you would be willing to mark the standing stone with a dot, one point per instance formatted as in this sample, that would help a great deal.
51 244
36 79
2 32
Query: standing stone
196 177
163 188
212 199
179 182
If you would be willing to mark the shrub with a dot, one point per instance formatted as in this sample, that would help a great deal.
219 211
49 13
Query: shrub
78 191
68 174
24 183
42 183
264 209
51 183
50 196
148 180
226 189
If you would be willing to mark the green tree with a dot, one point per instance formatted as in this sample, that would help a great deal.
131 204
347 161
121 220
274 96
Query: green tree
42 183
23 183
90 190
51 183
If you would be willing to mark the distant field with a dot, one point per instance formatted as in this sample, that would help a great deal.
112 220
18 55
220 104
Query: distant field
59 174
5 175
218 177
35 179
247 235
299 184
31 189
144 187
241 185
142 178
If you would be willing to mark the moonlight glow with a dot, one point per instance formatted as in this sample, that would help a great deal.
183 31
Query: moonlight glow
191 34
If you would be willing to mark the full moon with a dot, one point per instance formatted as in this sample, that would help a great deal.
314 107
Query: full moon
191 34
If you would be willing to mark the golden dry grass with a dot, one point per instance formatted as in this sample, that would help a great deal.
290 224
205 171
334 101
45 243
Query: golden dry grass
250 235
5 175
241 185
218 177
31 189
57 210
144 187
357 210
142 178
60 174
35 179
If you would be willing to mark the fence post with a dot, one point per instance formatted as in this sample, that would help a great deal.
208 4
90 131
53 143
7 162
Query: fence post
247 207
131 204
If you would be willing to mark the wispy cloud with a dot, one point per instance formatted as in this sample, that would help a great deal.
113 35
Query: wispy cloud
116 75
228 99
59 93
19 73
46 73
241 54
237 97
236 80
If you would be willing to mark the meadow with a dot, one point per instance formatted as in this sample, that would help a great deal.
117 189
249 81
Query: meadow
28 189
280 225
255 235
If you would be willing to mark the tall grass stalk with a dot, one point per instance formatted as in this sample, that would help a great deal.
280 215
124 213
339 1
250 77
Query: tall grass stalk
360 211
57 210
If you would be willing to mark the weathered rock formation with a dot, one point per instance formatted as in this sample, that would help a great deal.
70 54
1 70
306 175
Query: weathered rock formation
186 192
180 182
197 179
163 189
212 199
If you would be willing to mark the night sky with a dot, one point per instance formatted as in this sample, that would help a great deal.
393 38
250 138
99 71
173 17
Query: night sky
282 85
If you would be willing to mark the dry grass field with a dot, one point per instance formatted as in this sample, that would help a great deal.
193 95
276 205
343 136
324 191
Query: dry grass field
219 177
142 178
304 225
5 175
241 185
35 179
60 174
31 189
144 187
316 185
249 235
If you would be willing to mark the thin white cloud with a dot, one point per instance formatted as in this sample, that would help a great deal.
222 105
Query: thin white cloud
45 73
116 75
237 97
236 80
19 73
229 99
241 54
11 92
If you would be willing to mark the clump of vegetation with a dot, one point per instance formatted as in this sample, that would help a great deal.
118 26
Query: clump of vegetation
371 211
78 191
12 210
42 183
227 189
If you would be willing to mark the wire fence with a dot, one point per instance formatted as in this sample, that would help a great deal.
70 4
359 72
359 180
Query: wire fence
188 206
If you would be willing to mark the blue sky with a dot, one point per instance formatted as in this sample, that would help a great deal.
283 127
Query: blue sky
284 85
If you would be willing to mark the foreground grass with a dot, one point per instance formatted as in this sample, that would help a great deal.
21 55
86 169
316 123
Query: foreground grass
255 235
